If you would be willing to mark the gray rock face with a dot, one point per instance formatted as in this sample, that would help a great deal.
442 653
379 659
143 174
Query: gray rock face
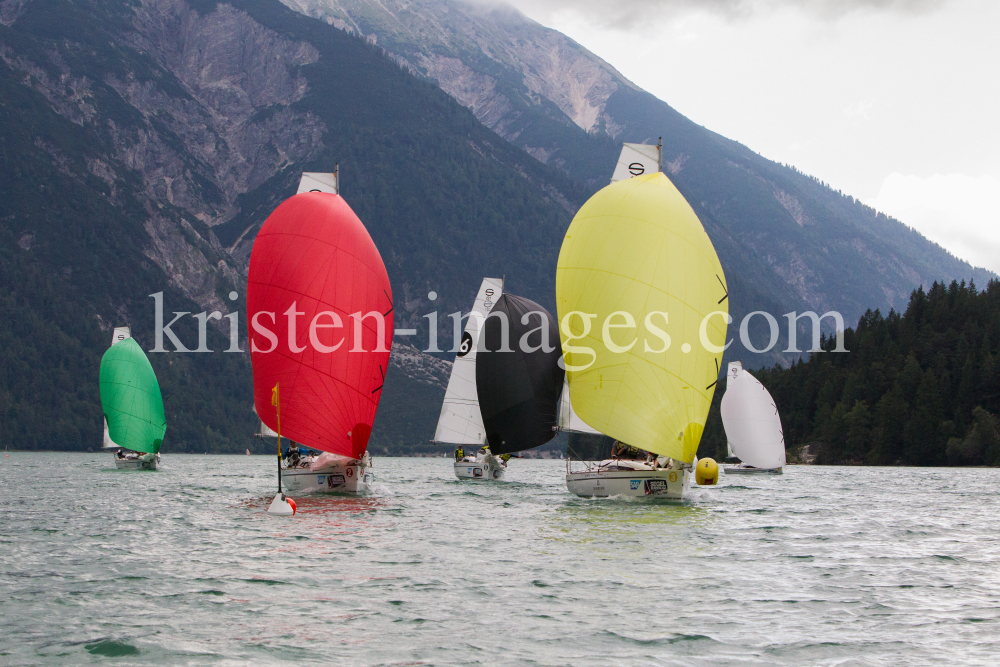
213 121
489 57
422 367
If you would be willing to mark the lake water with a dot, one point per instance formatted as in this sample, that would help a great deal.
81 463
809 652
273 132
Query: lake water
820 566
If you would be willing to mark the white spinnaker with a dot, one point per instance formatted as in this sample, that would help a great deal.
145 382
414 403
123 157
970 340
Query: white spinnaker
461 423
751 420
636 160
569 421
314 181
120 334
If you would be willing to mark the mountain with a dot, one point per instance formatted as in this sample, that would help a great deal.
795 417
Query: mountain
145 141
786 240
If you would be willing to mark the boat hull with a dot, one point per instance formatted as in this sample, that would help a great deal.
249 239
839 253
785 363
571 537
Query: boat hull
741 470
353 479
148 462
668 484
480 470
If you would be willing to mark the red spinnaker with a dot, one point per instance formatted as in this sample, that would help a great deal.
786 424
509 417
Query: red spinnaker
314 253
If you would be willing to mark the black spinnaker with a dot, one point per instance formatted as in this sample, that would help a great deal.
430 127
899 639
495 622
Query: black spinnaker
519 383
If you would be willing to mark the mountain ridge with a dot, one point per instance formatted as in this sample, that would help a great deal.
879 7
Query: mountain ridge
495 59
145 142
128 103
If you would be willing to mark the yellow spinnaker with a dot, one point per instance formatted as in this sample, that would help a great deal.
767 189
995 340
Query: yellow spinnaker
637 246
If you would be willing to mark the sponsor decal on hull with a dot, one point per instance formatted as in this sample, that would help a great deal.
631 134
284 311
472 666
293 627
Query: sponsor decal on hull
654 486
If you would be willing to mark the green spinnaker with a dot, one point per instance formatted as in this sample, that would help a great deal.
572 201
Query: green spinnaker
130 397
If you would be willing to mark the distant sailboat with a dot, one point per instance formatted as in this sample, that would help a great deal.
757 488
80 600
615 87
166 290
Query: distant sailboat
133 407
636 247
752 423
322 367
461 421
518 377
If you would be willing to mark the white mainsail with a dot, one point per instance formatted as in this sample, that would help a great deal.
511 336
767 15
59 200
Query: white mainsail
751 420
636 160
313 181
461 423
120 334
264 431
569 421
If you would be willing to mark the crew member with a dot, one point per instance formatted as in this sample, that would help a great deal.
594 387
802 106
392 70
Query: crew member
292 455
459 453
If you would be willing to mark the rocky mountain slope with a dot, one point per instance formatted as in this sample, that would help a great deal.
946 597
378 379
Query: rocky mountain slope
144 144
786 240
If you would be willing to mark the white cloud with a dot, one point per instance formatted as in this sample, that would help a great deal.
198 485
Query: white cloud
960 212
888 87
859 110
628 14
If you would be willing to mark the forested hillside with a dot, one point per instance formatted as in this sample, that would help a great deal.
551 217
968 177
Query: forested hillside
128 127
916 388
72 265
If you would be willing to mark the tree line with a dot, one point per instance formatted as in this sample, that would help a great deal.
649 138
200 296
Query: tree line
916 388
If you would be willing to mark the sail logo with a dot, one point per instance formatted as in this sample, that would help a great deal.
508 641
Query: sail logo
634 483
466 345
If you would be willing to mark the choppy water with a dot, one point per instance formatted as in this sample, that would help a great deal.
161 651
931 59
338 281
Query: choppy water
821 566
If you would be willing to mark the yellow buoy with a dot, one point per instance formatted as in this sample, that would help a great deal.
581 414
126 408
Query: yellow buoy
707 472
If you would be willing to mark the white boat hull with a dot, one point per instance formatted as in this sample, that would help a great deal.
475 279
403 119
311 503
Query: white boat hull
746 470
482 469
147 462
595 483
355 479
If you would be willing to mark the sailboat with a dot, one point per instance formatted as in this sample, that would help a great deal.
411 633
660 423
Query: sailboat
461 422
134 422
642 300
752 423
320 309
518 376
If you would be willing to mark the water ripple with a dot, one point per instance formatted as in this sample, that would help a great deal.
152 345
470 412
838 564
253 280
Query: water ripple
820 566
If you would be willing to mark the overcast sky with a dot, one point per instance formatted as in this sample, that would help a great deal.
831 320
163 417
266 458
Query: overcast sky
896 102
